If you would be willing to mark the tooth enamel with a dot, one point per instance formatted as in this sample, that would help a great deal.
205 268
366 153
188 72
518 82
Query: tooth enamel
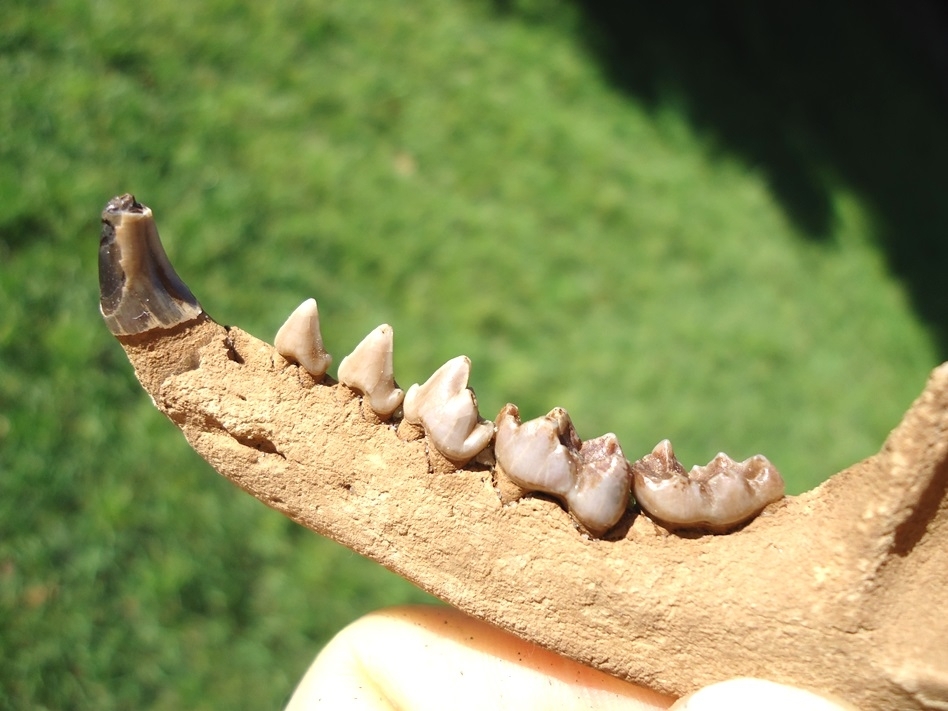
721 494
369 370
447 409
545 454
300 341
139 290
540 454
601 494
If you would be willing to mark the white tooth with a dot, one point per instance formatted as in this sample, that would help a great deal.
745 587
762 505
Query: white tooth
601 494
545 454
722 494
369 370
300 341
447 409
534 453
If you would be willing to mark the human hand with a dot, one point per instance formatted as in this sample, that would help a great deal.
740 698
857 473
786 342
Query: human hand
428 657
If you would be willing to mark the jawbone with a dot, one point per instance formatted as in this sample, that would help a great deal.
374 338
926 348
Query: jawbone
838 589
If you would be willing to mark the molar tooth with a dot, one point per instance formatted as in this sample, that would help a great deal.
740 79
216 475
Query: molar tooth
300 340
447 409
601 494
541 454
369 370
717 496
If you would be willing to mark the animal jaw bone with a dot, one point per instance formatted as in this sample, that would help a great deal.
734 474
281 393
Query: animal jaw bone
300 340
369 370
836 589
717 496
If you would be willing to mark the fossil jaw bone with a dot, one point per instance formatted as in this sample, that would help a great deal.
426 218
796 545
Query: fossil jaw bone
300 340
545 454
447 409
835 589
139 289
720 495
369 370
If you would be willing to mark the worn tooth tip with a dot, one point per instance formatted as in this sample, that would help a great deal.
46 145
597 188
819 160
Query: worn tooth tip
124 203
369 370
300 340
139 290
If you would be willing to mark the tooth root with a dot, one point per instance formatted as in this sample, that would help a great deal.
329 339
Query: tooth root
299 340
369 369
139 290
593 478
717 496
447 409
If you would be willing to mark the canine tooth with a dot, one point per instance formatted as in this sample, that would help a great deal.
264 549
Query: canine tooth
719 495
300 340
601 494
369 370
541 454
447 409
139 290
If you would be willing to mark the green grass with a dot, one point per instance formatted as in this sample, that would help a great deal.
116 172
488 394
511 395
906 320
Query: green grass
482 177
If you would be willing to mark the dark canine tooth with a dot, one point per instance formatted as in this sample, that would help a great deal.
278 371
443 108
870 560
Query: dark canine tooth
139 290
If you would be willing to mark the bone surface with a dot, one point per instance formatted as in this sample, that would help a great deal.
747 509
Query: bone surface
447 409
369 370
838 589
300 340
139 289
722 494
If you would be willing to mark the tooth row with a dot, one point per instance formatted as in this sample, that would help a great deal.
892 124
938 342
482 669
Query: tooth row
593 478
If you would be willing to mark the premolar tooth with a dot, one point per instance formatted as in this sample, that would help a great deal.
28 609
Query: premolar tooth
541 454
369 370
447 409
300 340
720 495
592 478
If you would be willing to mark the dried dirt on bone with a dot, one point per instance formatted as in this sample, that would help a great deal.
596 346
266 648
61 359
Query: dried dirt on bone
809 593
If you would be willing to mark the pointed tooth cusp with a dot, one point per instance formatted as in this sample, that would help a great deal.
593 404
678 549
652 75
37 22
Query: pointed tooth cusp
601 494
299 340
593 478
139 290
369 370
447 409
541 454
718 496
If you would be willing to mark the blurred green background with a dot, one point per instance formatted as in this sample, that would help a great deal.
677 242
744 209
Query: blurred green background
723 224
